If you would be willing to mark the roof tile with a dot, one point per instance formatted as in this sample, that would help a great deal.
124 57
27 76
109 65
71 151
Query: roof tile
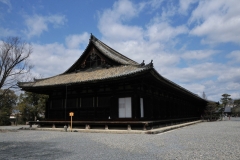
90 75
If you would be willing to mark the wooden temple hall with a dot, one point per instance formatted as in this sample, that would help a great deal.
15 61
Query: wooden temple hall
104 88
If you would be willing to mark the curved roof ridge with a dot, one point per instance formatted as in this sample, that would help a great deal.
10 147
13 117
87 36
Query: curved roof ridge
123 59
107 51
178 86
77 59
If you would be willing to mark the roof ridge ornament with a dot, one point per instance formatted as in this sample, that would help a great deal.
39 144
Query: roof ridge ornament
150 65
142 64
92 38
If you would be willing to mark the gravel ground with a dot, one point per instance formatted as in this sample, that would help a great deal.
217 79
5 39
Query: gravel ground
208 140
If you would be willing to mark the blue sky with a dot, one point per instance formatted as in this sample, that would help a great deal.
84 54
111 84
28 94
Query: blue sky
194 43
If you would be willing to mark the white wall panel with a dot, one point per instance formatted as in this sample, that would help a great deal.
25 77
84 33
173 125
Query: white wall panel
125 107
141 107
128 105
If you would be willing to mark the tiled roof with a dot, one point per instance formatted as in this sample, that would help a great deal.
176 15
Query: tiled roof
86 76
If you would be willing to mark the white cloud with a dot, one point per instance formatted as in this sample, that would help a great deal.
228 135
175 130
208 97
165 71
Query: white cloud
110 21
217 21
235 56
139 43
123 10
53 59
198 54
184 5
196 72
214 79
141 50
8 3
233 86
74 41
235 95
213 89
120 32
155 4
230 74
37 24
164 32
195 88
5 32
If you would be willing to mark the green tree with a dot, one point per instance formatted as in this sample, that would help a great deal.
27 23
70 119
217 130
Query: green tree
211 110
236 103
32 106
7 103
236 107
225 99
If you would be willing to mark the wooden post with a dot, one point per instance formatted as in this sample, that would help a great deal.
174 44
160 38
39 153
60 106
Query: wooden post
71 114
71 123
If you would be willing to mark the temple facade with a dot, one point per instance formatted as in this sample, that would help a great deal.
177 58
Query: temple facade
104 85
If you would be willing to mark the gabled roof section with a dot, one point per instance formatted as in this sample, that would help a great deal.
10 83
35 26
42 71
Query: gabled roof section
111 53
105 51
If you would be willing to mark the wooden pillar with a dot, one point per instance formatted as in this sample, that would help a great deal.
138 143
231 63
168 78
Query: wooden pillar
152 105
95 100
163 108
159 108
135 106
170 107
114 103
148 107
47 109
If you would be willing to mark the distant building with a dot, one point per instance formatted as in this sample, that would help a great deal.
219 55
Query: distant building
13 119
104 86
228 110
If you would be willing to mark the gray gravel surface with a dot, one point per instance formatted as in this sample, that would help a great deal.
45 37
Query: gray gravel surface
208 140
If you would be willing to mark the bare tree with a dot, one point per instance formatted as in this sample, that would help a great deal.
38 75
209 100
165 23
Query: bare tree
14 56
204 96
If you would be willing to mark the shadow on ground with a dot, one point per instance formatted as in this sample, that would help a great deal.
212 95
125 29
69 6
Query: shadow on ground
30 150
